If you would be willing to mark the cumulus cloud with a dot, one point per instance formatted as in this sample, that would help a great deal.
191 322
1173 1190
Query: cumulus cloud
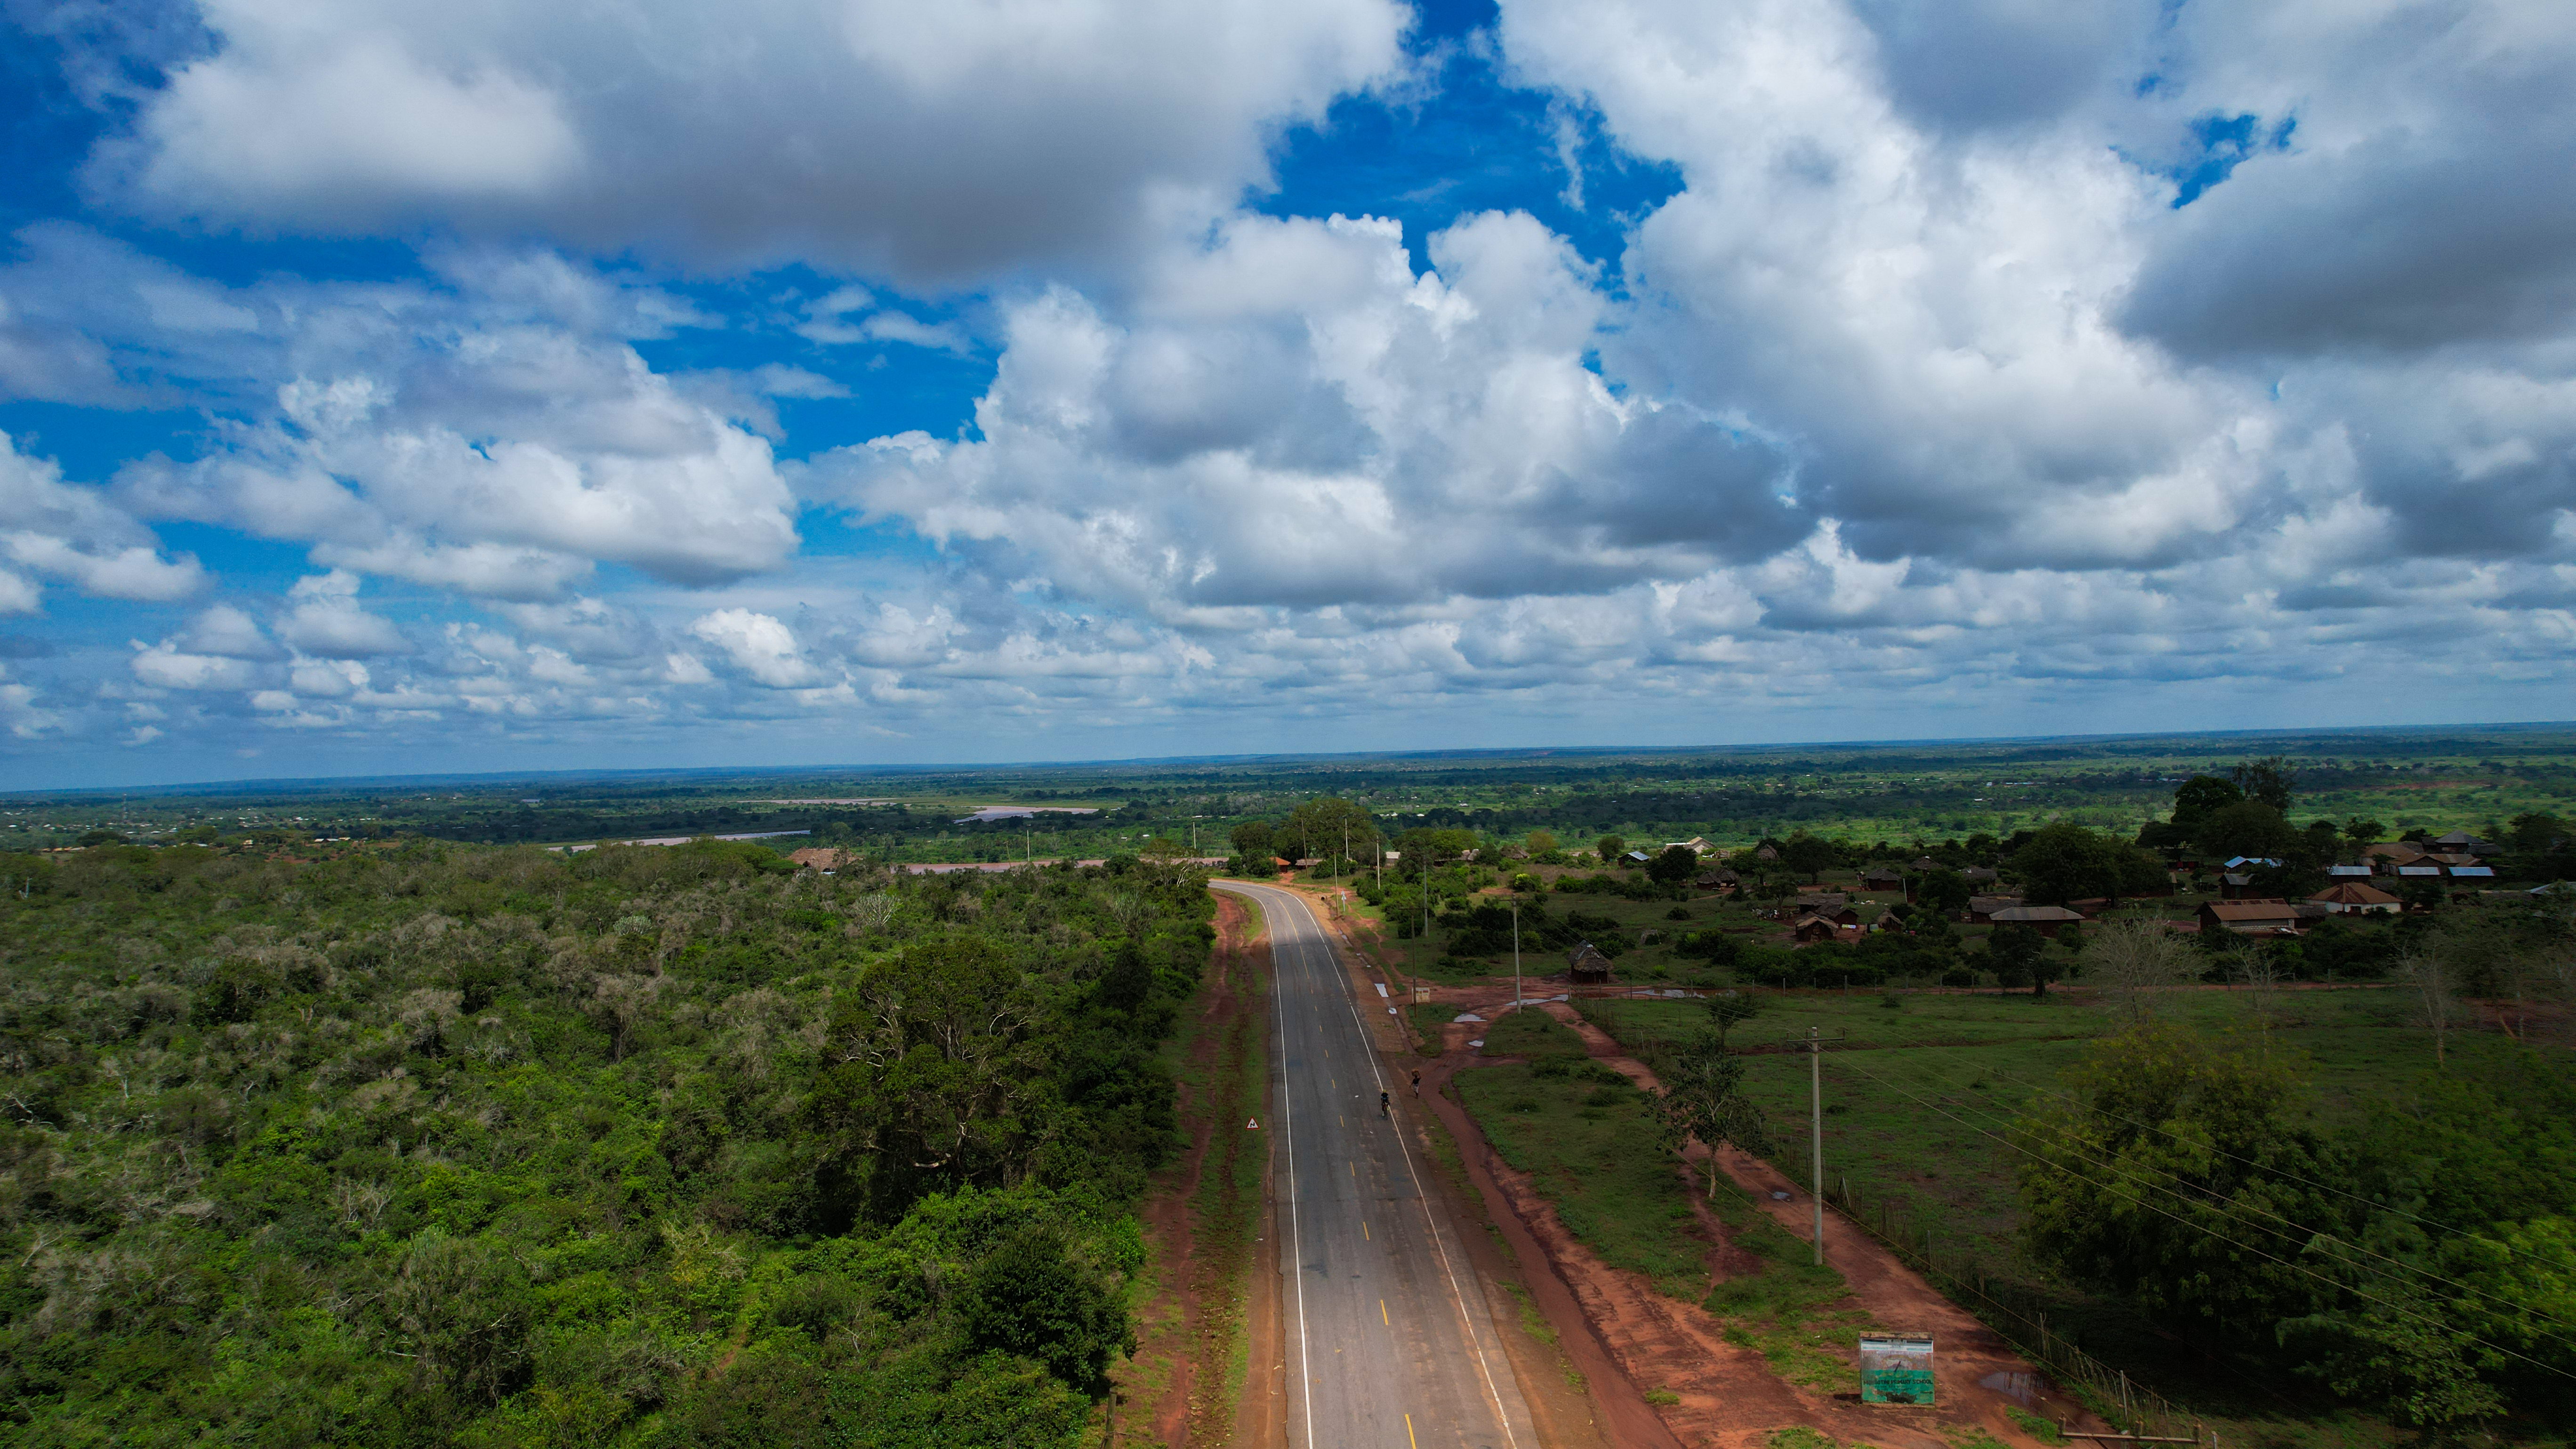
324 619
759 646
1290 416
2420 197
53 528
930 142
2028 354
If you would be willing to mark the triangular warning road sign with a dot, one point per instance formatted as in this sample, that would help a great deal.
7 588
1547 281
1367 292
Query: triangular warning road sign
1249 1125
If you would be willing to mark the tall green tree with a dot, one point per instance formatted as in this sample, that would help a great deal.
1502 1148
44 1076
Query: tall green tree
1728 1010
2248 827
1808 855
1676 864
2019 956
2165 1172
1704 1097
2270 780
1255 841
2200 796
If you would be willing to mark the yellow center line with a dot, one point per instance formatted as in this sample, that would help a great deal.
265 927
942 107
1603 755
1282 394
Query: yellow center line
1408 1432
1381 1313
1364 1233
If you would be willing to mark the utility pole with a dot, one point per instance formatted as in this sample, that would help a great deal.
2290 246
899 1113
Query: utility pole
1816 1132
1516 950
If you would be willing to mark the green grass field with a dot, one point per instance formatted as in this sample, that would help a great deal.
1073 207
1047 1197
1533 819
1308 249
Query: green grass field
1919 1098
1591 1145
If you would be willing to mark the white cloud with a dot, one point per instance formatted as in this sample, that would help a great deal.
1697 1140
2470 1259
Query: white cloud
229 631
501 459
21 711
1291 417
930 141
291 121
760 646
166 666
325 620
50 527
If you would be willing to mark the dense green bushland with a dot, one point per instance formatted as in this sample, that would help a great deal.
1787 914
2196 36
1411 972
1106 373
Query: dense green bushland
435 1144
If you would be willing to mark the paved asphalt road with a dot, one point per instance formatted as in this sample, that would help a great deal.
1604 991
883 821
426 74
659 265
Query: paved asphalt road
1388 1342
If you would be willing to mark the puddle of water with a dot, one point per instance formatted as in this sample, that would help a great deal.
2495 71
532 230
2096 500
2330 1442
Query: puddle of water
2022 1388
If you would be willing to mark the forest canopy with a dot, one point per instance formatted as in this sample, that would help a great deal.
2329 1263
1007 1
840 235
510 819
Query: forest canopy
426 1144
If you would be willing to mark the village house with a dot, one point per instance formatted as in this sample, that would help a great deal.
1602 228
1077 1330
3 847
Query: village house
1980 875
2388 858
1983 908
2348 872
2047 920
1696 845
2349 897
1717 880
1768 852
1882 878
1829 908
1810 929
1586 964
2250 917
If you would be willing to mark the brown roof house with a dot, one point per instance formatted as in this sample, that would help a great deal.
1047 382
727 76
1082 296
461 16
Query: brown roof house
2351 897
1832 908
2388 857
1883 878
1813 928
2047 920
1983 908
1767 852
1717 880
1980 875
1584 963
2250 918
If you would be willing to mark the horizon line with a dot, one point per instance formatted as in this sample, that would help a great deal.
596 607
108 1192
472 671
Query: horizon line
312 782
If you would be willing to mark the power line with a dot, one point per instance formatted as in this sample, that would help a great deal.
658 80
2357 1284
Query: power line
2066 1135
2232 1242
2158 1127
2311 1231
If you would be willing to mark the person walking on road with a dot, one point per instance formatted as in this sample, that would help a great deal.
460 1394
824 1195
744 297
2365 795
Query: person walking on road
1385 1105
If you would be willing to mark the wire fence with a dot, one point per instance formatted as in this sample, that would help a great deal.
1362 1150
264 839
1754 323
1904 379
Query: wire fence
2010 1309
2017 1315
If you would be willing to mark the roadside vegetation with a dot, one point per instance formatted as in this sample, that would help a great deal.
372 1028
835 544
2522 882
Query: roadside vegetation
430 1144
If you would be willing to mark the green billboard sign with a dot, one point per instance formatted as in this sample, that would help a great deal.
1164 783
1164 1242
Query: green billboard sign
1896 1368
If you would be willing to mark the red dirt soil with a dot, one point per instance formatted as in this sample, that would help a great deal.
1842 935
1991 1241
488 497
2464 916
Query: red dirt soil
1729 1396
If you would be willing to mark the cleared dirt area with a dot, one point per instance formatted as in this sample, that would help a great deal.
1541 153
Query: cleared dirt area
1722 1392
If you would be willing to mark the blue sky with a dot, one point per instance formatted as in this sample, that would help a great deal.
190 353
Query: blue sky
404 387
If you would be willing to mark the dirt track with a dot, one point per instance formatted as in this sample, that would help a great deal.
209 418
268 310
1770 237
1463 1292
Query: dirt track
1728 1396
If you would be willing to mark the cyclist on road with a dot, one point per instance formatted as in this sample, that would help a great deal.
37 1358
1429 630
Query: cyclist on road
1385 1106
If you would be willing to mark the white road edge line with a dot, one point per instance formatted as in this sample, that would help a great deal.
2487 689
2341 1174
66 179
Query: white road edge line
1501 1415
